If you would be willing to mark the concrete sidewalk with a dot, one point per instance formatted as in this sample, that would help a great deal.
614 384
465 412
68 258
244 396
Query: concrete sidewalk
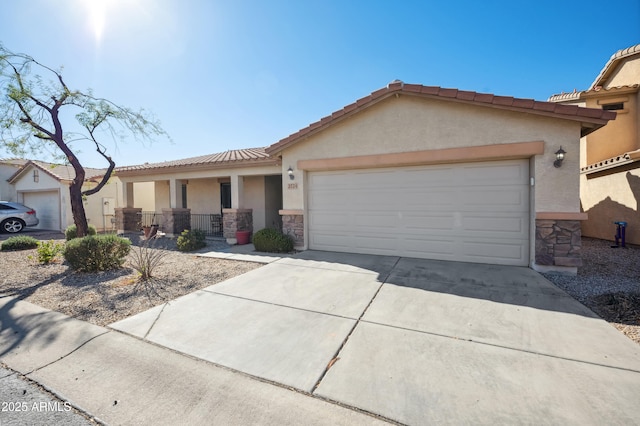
120 379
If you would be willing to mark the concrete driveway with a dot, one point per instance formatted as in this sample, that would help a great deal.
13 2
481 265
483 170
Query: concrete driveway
414 341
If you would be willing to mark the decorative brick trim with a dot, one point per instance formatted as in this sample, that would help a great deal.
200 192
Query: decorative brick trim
176 220
128 219
558 242
293 226
236 220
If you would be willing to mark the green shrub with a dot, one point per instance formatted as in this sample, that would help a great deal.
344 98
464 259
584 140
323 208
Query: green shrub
21 242
191 240
97 252
48 251
71 232
272 241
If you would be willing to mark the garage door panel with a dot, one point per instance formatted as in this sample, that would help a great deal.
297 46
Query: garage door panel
47 207
513 225
476 212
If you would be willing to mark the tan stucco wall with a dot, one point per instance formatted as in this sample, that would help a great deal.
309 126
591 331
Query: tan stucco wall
161 195
144 195
620 135
408 123
627 73
203 196
93 206
7 191
254 198
609 198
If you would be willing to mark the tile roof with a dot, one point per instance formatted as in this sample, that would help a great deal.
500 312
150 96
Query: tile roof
60 172
231 157
612 63
574 96
14 161
595 116
610 163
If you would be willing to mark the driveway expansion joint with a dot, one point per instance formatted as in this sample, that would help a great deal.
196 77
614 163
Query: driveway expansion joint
463 339
336 357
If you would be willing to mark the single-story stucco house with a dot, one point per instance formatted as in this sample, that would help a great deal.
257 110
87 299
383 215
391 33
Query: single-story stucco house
408 170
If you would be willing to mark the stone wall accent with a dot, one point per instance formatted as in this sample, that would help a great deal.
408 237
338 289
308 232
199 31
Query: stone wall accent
176 220
236 220
128 219
558 242
293 226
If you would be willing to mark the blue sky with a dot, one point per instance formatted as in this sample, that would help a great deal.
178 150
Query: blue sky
237 74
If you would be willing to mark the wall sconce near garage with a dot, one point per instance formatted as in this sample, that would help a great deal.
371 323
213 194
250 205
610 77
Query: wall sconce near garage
559 157
290 173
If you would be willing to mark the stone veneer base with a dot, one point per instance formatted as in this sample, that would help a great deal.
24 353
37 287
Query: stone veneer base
558 243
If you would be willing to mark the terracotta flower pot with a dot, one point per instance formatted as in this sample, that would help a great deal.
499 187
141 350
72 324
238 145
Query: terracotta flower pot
243 237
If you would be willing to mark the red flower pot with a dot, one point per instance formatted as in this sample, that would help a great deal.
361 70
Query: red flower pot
243 237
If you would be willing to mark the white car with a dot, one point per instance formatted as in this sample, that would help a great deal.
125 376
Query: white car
15 216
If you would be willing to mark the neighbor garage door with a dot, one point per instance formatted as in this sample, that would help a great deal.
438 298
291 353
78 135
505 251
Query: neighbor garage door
47 207
472 212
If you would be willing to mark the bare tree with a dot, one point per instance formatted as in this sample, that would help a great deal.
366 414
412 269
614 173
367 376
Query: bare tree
32 112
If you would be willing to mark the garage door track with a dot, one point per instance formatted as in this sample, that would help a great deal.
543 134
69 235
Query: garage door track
412 340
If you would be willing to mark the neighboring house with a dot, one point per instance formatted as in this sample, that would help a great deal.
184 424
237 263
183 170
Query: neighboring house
610 160
45 188
8 167
409 170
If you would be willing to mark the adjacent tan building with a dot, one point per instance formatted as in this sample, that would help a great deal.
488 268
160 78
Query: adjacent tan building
610 160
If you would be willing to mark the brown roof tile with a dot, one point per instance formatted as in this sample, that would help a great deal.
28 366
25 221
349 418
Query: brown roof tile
231 157
593 116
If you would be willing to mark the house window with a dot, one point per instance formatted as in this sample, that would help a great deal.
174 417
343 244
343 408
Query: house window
36 175
613 107
225 195
184 195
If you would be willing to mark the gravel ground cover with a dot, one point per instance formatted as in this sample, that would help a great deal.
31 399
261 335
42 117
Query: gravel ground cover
105 297
608 283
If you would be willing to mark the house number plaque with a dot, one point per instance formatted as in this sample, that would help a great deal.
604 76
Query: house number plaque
292 186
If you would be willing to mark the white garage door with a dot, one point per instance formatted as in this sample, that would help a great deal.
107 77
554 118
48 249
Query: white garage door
472 212
47 207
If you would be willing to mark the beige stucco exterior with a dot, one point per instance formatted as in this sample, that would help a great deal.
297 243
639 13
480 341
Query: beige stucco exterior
407 124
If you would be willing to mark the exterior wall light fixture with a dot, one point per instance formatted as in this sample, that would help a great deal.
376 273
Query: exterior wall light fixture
290 173
559 157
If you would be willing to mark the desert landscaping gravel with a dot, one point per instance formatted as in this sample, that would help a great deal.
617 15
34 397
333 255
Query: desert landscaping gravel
608 283
105 297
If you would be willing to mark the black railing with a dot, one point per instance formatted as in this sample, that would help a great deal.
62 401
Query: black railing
210 224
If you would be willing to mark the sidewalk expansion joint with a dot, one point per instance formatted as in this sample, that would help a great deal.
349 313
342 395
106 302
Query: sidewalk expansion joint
336 356
155 320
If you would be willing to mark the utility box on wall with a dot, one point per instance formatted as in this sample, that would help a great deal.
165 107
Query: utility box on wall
108 206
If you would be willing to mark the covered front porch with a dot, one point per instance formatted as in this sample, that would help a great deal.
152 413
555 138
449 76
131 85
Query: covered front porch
218 197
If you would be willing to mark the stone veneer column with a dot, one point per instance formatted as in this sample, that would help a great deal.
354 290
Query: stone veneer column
175 221
558 242
293 226
128 219
236 220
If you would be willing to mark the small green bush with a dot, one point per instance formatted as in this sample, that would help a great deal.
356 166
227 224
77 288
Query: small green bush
71 232
272 241
191 240
48 251
21 242
97 252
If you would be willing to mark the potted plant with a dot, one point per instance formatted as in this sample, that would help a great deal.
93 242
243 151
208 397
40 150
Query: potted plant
243 237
